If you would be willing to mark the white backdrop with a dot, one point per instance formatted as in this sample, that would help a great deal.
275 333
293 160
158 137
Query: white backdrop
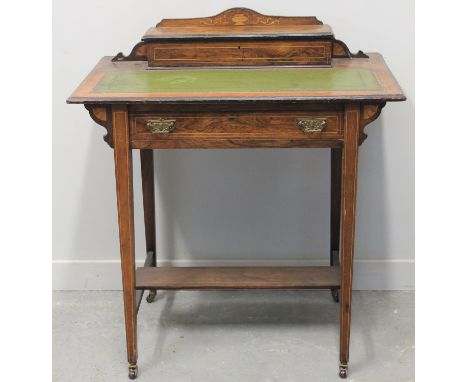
246 206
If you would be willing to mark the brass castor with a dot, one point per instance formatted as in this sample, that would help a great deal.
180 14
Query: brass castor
335 295
151 296
133 371
343 371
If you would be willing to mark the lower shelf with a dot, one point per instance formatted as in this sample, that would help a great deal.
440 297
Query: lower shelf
237 278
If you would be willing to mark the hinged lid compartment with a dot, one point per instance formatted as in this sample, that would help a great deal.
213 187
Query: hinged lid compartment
239 37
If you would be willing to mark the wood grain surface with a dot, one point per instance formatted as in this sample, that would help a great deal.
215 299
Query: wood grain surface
348 220
237 278
207 129
124 188
240 53
241 16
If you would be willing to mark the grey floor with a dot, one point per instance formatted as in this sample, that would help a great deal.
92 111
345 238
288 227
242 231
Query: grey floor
255 336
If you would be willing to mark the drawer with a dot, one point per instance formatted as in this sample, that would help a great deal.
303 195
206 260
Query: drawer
286 129
237 53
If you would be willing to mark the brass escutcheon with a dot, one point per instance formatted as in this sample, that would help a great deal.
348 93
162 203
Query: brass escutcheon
313 125
160 126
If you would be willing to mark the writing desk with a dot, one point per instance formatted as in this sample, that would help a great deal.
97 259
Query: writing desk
239 79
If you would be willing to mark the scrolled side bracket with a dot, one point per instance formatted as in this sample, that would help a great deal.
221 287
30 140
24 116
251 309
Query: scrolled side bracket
102 116
138 53
369 113
341 50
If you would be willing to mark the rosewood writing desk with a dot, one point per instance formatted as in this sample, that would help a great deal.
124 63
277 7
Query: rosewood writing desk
235 80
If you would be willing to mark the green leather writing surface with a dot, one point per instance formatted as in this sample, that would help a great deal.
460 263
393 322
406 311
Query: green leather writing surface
238 80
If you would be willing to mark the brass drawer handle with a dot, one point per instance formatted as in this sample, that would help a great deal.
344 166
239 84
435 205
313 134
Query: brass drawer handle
160 126
313 125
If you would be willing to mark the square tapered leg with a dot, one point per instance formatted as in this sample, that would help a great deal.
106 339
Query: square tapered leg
124 186
348 217
149 210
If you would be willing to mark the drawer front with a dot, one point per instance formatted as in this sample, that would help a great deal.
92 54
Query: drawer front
166 130
240 53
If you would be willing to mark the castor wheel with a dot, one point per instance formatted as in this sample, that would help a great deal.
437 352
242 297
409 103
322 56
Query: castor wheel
335 295
151 296
133 371
343 371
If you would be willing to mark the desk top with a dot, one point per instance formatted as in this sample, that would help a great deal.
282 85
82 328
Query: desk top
132 82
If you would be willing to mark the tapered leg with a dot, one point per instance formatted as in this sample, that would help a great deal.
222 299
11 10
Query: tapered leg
348 213
335 210
124 185
147 180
